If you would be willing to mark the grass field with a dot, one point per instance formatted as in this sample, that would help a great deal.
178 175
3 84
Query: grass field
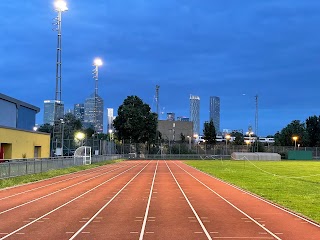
293 184
4 183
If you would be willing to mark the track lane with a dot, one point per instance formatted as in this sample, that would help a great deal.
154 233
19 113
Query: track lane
283 224
20 219
122 215
170 214
15 191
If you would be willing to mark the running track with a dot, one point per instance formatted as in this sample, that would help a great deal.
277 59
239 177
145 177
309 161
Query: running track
144 200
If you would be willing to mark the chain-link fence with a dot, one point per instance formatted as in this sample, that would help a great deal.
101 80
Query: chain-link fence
20 167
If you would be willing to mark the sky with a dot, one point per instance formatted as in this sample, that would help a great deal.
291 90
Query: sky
231 49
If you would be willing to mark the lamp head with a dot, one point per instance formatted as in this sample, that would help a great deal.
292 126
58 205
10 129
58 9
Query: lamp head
60 5
97 62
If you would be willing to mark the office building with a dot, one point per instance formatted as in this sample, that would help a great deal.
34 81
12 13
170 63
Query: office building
110 119
214 110
195 113
171 116
48 114
79 111
93 118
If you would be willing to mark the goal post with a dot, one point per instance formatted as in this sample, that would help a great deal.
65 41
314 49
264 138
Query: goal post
82 156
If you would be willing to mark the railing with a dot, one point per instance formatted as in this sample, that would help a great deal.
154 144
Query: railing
20 167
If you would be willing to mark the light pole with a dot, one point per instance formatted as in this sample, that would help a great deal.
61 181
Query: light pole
62 125
248 142
227 137
110 138
189 142
250 133
295 138
59 6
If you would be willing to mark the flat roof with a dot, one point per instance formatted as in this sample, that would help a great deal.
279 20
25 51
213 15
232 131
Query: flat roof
18 102
23 130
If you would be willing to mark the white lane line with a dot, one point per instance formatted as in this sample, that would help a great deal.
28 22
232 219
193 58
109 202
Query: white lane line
148 205
190 205
101 209
243 237
257 197
50 184
50 194
65 204
134 232
235 207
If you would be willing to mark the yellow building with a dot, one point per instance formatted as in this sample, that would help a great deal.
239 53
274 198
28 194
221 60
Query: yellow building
17 143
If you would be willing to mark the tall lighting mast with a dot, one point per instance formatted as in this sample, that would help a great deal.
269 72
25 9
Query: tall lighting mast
60 6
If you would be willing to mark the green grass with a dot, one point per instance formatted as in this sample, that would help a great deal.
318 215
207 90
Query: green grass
288 183
10 182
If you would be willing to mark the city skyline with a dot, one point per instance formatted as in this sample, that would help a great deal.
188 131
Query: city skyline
234 50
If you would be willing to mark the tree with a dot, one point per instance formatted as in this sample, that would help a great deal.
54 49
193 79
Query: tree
71 125
209 133
46 128
313 131
239 139
183 138
295 128
135 121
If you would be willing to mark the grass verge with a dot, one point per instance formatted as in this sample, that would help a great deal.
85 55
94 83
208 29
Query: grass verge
292 184
10 182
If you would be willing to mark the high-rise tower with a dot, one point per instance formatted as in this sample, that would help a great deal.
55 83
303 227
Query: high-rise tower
195 113
215 112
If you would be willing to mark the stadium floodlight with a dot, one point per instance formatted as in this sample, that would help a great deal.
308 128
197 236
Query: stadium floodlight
295 138
97 62
60 6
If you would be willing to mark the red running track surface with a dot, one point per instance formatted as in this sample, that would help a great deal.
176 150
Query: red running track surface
144 200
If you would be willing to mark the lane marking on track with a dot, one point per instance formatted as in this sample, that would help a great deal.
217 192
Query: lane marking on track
69 232
65 204
101 209
261 199
235 207
190 205
50 194
243 238
148 204
134 232
50 184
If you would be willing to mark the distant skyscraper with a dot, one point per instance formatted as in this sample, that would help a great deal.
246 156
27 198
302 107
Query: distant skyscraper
89 114
183 119
110 119
195 113
48 114
171 116
79 111
215 112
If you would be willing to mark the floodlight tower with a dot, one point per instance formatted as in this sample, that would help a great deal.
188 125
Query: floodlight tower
96 63
59 6
256 123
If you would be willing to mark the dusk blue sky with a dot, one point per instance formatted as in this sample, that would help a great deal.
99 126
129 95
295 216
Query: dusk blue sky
231 49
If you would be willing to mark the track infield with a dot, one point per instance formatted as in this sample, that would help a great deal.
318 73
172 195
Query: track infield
143 200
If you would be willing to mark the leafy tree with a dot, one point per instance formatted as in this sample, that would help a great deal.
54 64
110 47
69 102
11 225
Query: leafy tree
46 128
183 137
239 138
209 133
71 125
135 121
295 128
313 131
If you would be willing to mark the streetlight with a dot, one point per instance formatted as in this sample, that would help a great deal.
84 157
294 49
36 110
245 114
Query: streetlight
247 142
295 138
62 123
227 137
250 133
80 136
189 142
